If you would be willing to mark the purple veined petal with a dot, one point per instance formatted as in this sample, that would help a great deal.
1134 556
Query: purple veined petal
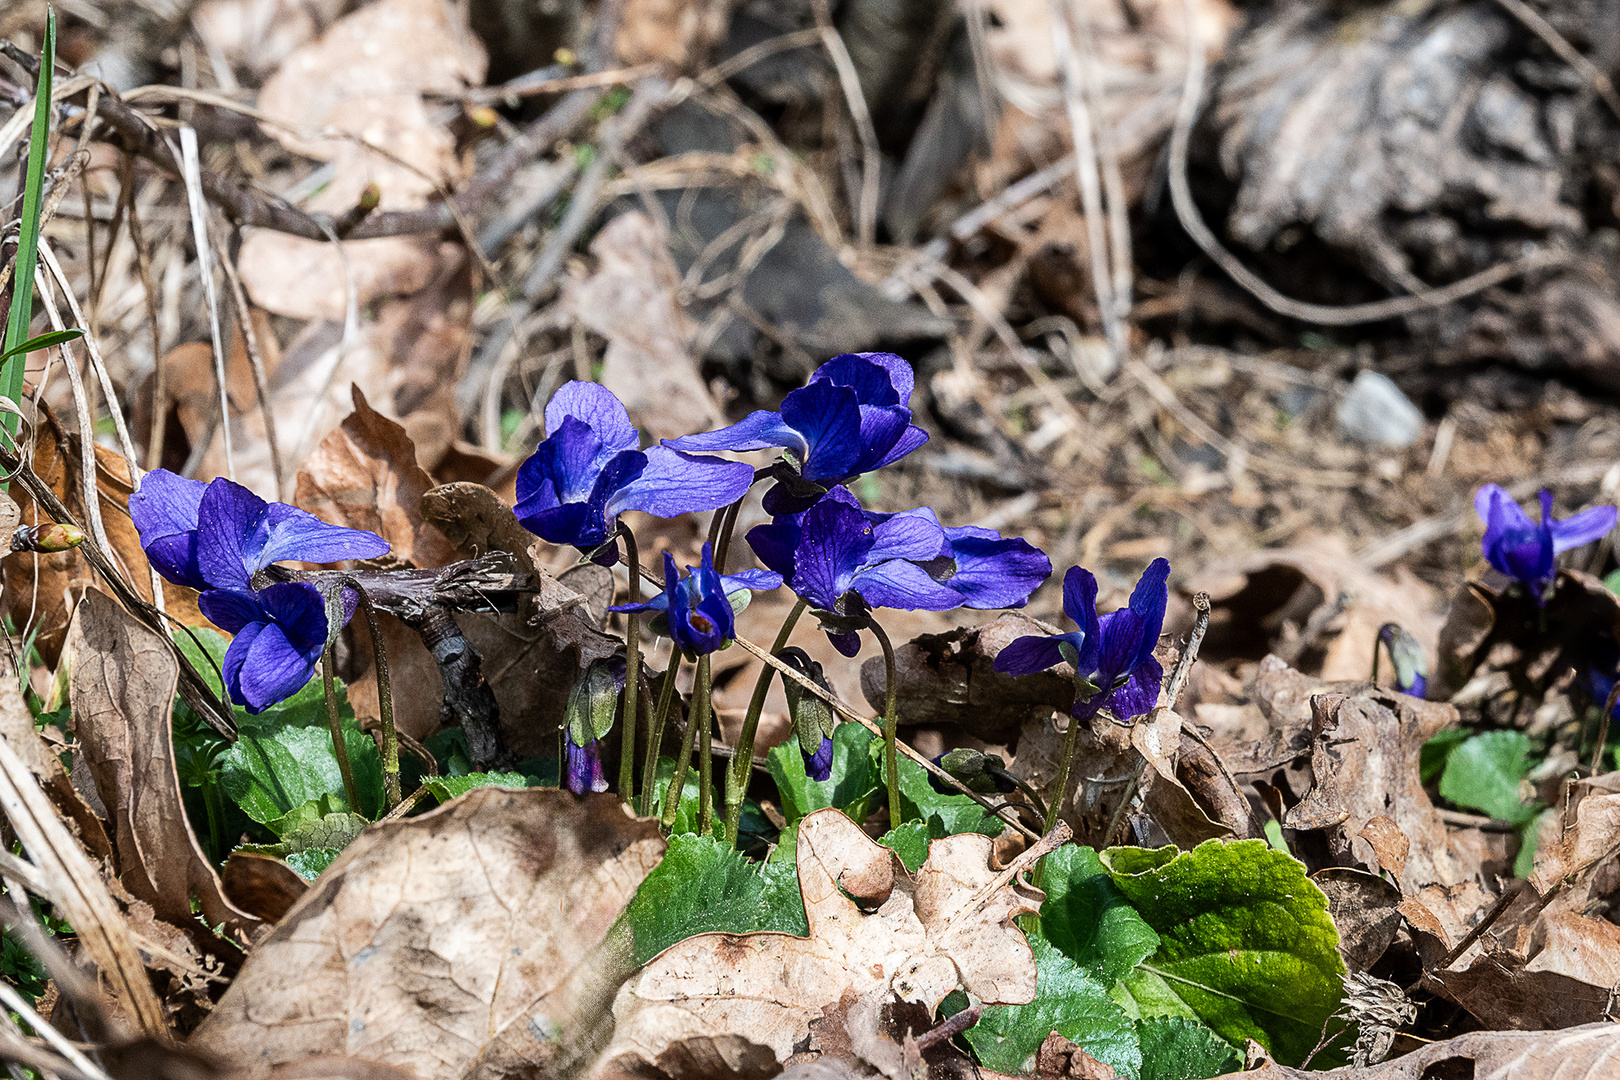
232 532
878 378
571 457
756 580
236 655
164 510
582 767
1032 653
818 766
567 525
1121 640
774 544
904 586
1494 505
834 541
911 534
993 571
232 609
1139 694
1148 600
674 483
295 534
909 440
594 406
298 608
1080 605
1583 528
847 644
881 428
829 419
756 431
273 670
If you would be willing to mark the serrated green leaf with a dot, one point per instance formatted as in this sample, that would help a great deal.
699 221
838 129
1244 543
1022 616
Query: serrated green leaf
700 887
271 772
947 815
308 828
1068 1001
1484 772
309 863
1088 919
1245 941
910 842
445 788
850 787
784 904
1174 1048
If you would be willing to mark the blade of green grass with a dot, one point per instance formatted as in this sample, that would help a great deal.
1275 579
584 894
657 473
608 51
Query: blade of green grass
22 293
42 341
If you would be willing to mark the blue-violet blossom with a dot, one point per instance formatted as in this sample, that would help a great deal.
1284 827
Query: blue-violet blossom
1112 654
215 537
1406 654
843 560
590 469
698 611
1525 550
853 416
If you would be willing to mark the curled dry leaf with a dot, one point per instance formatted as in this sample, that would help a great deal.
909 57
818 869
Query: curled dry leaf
471 941
873 933
363 82
631 301
365 475
123 683
1579 1053
1364 765
950 678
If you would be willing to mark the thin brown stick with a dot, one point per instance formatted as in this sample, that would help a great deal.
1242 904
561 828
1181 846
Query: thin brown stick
1555 41
261 385
849 81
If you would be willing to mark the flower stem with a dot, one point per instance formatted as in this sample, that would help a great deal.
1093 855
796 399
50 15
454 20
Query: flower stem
891 725
700 711
728 525
1061 789
632 672
655 733
742 760
385 700
703 708
339 750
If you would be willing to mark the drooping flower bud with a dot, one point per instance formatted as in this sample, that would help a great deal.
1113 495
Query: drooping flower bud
593 705
813 719
985 774
1411 665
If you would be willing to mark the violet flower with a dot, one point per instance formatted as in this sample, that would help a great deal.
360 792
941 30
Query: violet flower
1112 655
216 537
1525 550
843 560
843 564
219 534
853 416
590 469
582 766
698 611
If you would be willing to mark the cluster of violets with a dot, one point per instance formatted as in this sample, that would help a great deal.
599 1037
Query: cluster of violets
841 559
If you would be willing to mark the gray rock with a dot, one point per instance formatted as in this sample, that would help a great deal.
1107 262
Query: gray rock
1375 411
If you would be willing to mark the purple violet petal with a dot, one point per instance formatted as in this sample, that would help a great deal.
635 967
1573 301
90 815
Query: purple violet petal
1148 600
847 644
1080 605
1139 694
164 510
904 586
756 431
829 418
594 406
909 440
835 540
295 534
878 378
232 532
993 571
818 766
1032 653
1583 528
674 483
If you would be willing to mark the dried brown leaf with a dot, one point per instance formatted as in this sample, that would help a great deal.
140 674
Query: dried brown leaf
123 683
365 475
471 941
873 934
1581 1053
631 301
262 884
